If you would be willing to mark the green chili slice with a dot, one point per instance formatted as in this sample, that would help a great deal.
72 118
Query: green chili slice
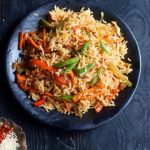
46 24
119 74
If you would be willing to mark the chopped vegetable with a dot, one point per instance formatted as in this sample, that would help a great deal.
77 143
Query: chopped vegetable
20 43
67 106
70 67
95 78
20 78
104 47
99 107
40 102
65 97
31 33
46 24
48 94
92 96
82 71
77 97
84 48
42 65
60 80
23 87
33 44
67 62
44 37
119 74
21 70
74 81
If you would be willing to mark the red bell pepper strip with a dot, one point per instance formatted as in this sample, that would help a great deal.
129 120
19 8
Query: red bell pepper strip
23 87
60 80
42 65
40 102
48 94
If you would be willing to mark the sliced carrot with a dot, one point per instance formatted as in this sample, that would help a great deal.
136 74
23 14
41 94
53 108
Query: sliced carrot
107 40
99 107
44 37
74 81
20 78
77 97
20 43
42 65
67 106
92 96
115 91
109 97
91 90
40 102
33 44
122 86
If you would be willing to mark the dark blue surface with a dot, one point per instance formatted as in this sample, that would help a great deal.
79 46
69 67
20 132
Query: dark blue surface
55 119
130 130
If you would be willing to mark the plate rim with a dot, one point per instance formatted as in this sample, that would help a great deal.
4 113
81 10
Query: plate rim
117 17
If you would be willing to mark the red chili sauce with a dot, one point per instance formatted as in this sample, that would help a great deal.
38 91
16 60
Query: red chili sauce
5 129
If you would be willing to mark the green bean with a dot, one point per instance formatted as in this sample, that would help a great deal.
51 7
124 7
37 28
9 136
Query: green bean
70 67
104 47
84 48
65 97
82 71
95 78
67 62
46 24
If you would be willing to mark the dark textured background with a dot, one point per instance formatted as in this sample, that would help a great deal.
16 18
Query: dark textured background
128 131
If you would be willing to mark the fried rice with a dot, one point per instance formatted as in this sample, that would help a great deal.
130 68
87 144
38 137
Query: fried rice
73 62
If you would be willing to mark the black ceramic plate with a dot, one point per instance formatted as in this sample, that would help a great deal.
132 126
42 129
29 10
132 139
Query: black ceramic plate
90 119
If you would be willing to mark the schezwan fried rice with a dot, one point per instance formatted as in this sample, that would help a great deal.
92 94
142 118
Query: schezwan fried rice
73 62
